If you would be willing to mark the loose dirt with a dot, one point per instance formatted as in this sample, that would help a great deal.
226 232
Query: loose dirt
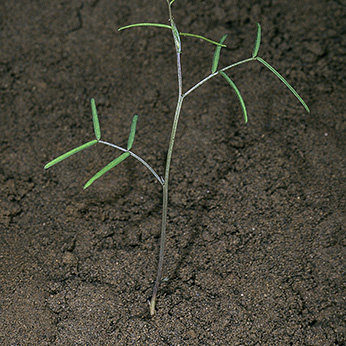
256 234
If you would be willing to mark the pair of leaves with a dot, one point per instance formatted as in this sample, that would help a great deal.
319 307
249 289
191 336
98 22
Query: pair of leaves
216 56
120 158
215 63
272 69
97 132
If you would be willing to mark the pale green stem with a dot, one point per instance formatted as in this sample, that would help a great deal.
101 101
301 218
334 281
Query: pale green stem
165 188
216 73
137 158
181 97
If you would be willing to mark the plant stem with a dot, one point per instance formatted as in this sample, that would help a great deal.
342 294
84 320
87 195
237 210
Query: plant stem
136 157
165 187
181 97
216 73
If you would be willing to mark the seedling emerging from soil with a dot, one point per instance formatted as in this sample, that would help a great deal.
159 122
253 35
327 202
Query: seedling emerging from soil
215 71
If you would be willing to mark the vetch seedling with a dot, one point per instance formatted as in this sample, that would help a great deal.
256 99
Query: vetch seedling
126 153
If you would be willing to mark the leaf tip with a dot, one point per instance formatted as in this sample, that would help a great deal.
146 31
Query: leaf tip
96 122
257 41
132 132
88 183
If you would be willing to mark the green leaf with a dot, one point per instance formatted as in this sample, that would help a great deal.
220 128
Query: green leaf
170 27
257 42
217 55
105 169
70 153
171 2
132 132
95 120
145 24
283 80
203 38
231 83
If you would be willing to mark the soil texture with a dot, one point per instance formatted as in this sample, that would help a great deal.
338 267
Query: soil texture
256 248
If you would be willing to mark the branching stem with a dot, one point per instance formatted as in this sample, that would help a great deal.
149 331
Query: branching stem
215 74
181 97
161 181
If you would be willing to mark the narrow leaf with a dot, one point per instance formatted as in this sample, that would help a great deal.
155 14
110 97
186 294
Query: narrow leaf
203 38
70 153
95 120
257 42
171 2
283 80
217 55
145 24
132 132
169 27
242 103
105 169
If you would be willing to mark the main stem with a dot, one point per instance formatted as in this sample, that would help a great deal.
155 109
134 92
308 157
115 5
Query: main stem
181 97
165 187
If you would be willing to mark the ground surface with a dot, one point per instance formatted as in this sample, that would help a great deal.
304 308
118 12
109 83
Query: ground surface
256 235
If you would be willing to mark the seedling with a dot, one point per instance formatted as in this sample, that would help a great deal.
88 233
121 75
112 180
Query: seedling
126 152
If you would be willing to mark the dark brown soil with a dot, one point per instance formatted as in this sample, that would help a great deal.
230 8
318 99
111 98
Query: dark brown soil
256 235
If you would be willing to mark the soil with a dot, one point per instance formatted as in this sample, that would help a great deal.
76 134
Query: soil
256 244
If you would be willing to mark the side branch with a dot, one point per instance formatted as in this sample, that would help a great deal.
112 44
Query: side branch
216 73
160 179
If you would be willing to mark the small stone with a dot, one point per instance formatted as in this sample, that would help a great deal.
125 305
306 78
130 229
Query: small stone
315 48
69 258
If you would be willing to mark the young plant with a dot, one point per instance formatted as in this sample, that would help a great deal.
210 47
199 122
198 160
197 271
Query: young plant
215 71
